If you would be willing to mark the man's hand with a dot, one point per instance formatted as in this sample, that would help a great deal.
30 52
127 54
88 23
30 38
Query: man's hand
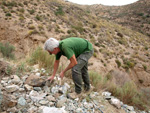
51 78
61 75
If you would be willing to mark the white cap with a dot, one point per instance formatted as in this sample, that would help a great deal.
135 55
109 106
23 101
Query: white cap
50 44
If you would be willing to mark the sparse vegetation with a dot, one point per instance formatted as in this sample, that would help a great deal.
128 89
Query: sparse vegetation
8 14
21 68
41 57
32 11
59 11
128 63
7 50
118 63
128 93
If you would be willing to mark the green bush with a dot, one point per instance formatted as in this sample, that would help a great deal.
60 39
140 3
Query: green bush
128 63
145 67
32 11
12 4
118 63
59 11
8 14
7 50
38 17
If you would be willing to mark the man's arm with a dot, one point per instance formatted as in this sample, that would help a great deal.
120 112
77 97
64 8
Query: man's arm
56 64
73 62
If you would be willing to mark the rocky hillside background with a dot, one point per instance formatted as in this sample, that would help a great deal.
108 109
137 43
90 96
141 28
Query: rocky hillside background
122 53
135 16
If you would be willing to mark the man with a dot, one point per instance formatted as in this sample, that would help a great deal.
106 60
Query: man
78 51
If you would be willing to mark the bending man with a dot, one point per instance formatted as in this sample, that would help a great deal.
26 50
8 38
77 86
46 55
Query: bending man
78 51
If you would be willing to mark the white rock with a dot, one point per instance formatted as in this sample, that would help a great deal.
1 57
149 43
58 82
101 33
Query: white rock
130 108
116 102
15 79
52 110
12 88
21 89
5 79
43 102
38 74
106 94
35 96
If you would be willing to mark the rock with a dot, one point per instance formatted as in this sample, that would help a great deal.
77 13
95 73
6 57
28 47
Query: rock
46 89
55 89
79 110
37 88
51 98
72 95
15 79
38 74
130 108
43 102
35 96
36 70
28 87
21 89
35 81
6 79
115 102
11 103
12 110
88 105
32 109
21 103
106 94
52 110
12 88
51 104
61 102
63 89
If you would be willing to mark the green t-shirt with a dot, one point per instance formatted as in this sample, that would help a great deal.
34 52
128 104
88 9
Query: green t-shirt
73 45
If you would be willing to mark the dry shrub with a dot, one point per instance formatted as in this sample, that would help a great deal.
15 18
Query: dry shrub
41 57
119 77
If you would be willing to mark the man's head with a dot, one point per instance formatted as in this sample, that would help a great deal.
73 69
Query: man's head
51 44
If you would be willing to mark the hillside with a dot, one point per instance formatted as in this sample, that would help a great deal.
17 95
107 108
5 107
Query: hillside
122 53
135 16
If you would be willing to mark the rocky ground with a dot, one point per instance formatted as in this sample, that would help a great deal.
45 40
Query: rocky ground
28 24
29 93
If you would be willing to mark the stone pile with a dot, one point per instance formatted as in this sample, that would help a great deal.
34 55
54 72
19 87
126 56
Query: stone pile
32 94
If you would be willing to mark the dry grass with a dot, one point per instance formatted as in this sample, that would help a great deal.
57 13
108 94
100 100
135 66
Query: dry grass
41 57
128 92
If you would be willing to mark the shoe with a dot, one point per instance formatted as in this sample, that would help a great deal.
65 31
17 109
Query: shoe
88 91
73 95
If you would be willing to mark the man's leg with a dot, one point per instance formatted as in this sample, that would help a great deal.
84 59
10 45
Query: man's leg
77 75
85 77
